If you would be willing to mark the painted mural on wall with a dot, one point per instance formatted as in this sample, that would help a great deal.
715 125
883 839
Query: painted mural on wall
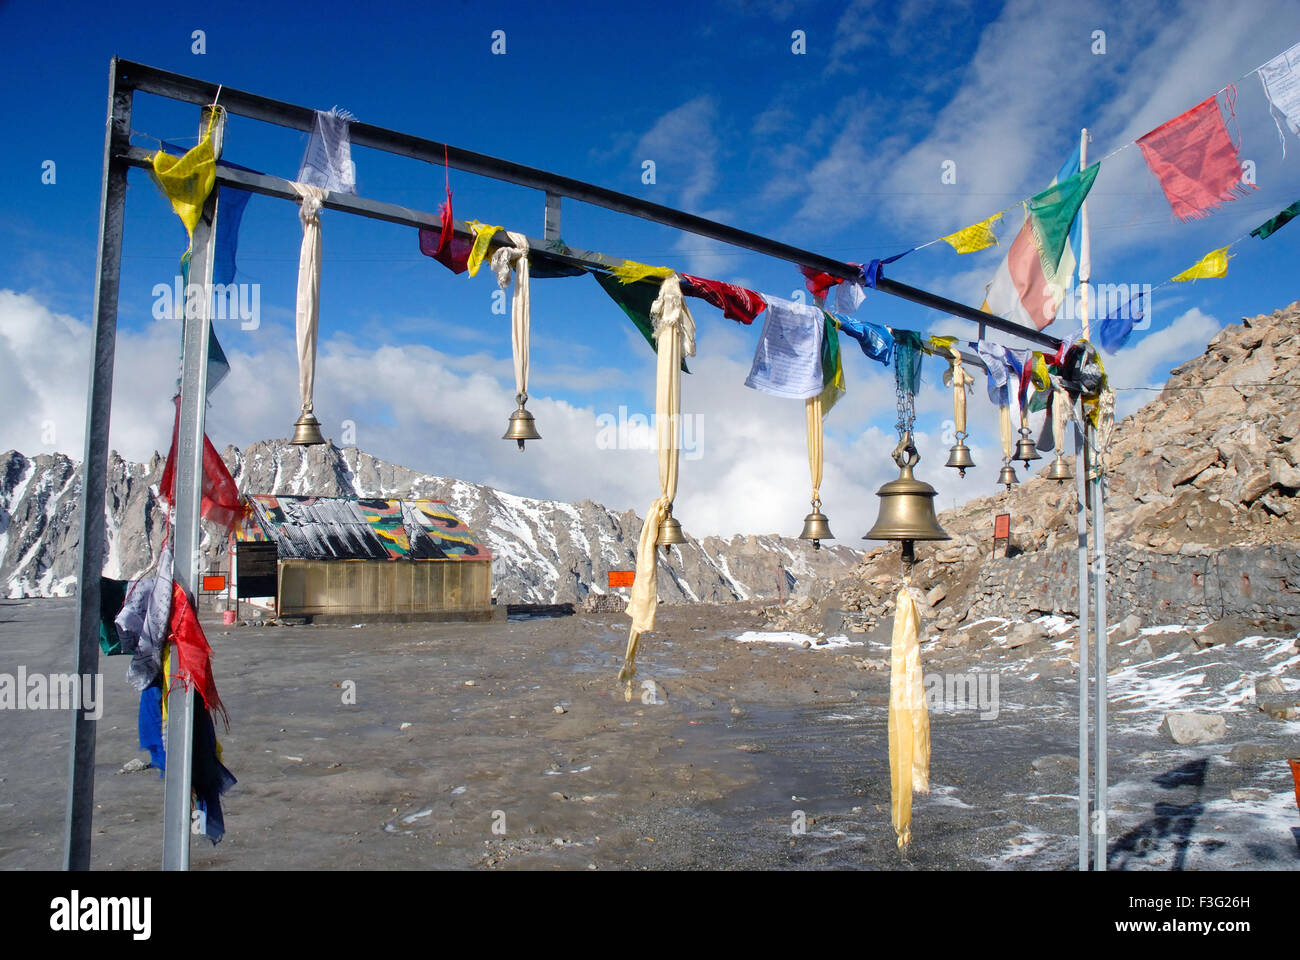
335 528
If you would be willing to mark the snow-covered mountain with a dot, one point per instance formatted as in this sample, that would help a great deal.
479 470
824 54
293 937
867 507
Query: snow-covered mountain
544 551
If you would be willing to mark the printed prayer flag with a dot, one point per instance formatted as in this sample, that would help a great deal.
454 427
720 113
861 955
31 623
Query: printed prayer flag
1022 290
1281 80
788 358
328 161
1195 160
629 271
735 302
978 236
482 237
1051 214
819 283
1275 223
635 300
1213 265
220 503
876 341
832 365
186 181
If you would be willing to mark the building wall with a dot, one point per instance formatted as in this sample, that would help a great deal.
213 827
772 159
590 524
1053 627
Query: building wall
407 589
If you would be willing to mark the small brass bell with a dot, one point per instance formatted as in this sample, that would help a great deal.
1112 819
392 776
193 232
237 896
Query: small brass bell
906 505
670 531
306 432
1007 475
522 426
959 456
1059 470
1026 449
816 527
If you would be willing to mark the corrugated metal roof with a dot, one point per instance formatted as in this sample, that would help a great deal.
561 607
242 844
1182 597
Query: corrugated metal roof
335 528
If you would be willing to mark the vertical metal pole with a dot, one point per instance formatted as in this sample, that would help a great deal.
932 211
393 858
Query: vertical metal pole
1081 517
94 470
186 537
1099 541
551 226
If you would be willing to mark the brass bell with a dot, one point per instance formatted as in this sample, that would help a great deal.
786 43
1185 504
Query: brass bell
959 456
1026 449
906 505
670 531
306 432
816 527
1007 475
522 426
1059 470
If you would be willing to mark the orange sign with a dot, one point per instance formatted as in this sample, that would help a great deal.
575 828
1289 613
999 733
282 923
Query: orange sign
621 578
1002 526
214 583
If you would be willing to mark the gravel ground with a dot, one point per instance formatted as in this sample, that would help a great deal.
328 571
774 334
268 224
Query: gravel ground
510 745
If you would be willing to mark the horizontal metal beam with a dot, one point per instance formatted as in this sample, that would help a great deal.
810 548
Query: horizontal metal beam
146 79
270 186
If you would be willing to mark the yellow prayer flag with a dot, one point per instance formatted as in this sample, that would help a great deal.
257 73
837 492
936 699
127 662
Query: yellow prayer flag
482 237
186 181
630 272
978 236
1213 264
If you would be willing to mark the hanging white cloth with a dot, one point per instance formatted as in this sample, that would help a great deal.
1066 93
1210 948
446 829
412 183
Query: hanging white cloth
674 332
788 359
507 260
308 308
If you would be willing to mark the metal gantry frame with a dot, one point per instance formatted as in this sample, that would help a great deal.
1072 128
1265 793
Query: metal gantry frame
125 79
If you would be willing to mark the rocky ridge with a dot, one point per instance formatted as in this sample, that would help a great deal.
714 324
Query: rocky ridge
1202 516
544 551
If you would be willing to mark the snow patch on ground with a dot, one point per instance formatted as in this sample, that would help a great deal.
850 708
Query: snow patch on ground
797 640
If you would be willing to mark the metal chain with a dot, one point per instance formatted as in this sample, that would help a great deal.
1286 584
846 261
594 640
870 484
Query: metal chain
905 402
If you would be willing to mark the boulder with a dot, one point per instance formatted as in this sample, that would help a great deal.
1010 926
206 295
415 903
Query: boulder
1186 726
1126 629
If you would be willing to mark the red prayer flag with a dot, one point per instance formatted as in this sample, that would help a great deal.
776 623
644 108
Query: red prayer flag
735 302
220 498
193 653
819 283
1195 160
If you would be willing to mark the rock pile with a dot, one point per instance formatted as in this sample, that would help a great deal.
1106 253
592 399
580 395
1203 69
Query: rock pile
1202 518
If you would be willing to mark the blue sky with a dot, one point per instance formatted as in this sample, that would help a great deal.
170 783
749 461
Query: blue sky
838 150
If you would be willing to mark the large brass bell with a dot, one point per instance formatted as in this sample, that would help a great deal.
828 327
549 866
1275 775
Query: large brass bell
1007 475
522 426
959 456
670 531
816 527
306 432
906 505
1026 449
1059 470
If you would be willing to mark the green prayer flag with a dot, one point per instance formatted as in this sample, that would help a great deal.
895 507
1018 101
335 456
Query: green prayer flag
1276 223
832 367
636 300
1052 212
